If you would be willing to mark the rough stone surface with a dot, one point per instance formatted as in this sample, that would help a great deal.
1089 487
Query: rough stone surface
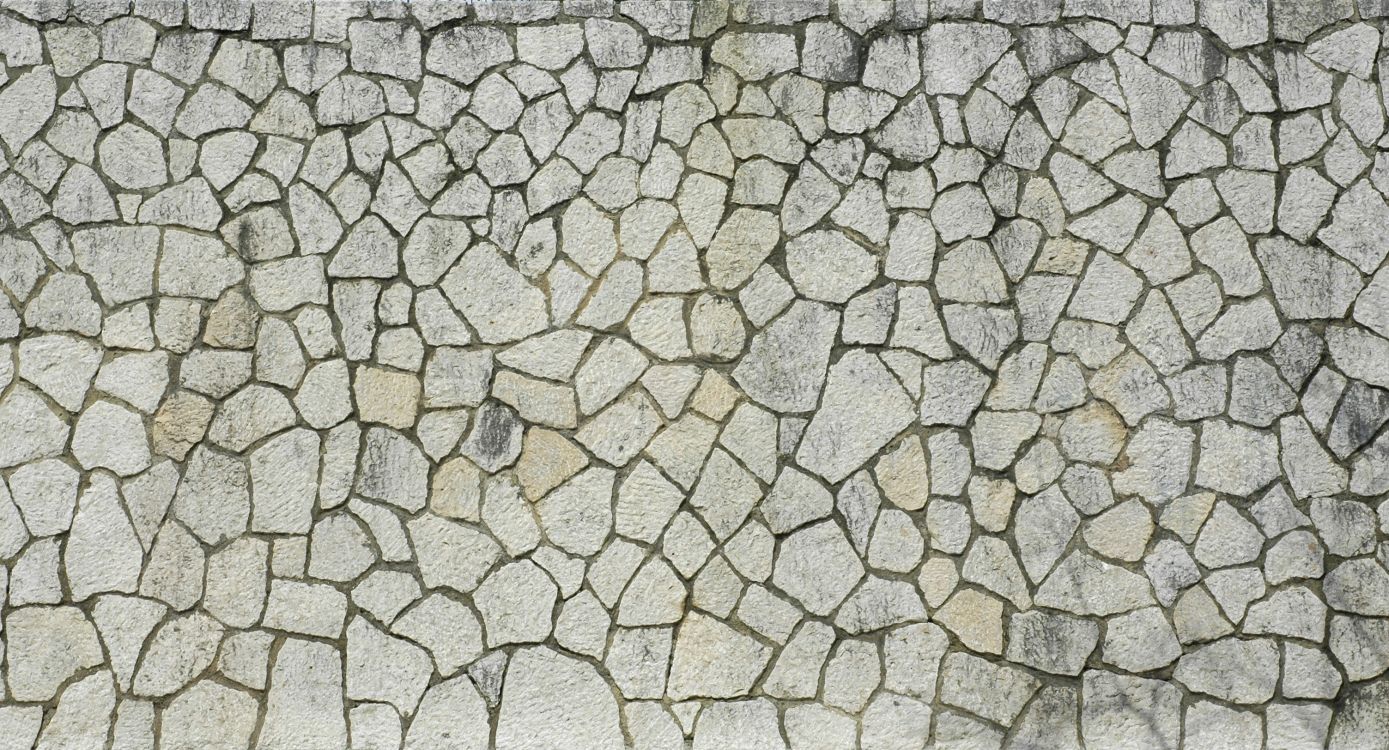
797 374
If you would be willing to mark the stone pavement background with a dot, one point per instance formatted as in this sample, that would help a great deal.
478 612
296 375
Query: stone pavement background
728 374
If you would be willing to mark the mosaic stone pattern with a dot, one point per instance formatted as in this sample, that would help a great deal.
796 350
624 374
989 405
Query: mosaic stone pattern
726 375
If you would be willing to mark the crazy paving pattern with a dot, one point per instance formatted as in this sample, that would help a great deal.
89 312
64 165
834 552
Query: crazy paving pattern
730 374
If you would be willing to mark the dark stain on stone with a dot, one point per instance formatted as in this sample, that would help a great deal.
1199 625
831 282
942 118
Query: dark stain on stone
491 438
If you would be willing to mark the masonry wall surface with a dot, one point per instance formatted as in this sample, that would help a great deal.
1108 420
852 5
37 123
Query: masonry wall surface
730 374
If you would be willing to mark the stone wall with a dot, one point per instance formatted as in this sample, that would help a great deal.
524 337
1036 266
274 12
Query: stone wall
735 374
